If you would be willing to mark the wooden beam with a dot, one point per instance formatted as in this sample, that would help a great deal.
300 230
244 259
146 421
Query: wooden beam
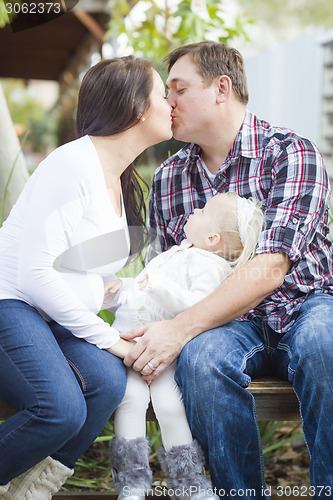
91 24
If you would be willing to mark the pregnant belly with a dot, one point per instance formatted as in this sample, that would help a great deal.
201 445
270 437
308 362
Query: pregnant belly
88 287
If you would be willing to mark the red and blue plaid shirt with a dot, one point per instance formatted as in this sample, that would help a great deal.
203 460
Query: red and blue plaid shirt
286 173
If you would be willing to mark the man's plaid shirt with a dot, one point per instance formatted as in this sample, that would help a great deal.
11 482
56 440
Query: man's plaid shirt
286 173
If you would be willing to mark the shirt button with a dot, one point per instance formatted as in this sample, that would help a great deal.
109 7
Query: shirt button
295 220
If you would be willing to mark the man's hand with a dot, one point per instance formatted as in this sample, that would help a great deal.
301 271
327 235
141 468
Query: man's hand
160 344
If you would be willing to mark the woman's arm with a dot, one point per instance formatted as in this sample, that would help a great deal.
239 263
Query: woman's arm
57 199
121 348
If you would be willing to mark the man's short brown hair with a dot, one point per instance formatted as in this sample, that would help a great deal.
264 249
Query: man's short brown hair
213 60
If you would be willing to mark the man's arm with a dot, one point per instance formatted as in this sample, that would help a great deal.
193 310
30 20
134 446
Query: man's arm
163 341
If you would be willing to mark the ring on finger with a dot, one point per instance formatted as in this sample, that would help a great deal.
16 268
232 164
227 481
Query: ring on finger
151 366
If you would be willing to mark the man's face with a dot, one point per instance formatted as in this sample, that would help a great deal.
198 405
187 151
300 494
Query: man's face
192 102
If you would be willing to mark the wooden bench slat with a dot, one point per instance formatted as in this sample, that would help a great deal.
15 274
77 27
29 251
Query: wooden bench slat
275 400
270 386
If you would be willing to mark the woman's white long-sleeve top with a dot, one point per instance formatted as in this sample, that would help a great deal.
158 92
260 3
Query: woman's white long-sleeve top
177 279
61 238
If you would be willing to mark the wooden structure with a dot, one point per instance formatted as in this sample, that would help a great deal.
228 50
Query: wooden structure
55 49
275 400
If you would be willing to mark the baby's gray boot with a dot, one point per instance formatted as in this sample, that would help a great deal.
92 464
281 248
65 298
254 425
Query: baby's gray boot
184 467
131 473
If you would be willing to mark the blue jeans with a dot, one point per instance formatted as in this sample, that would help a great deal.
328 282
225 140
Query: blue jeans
64 388
215 368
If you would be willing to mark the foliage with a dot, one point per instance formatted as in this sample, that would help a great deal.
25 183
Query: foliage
164 28
5 192
4 17
28 113
274 435
93 468
152 28
302 13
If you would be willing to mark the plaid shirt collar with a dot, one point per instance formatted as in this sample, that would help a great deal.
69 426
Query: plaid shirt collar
249 143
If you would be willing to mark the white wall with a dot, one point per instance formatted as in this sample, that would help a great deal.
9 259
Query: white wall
285 85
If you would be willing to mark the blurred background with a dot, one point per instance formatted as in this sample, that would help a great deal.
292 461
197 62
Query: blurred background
287 46
288 50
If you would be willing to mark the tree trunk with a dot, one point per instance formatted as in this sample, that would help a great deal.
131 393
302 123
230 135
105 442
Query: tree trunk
9 149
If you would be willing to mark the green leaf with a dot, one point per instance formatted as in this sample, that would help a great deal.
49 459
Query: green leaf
282 443
267 435
166 28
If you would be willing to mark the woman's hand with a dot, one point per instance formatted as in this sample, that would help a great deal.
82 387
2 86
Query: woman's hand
111 290
121 348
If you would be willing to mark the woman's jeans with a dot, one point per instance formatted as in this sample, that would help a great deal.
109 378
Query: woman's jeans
64 388
213 371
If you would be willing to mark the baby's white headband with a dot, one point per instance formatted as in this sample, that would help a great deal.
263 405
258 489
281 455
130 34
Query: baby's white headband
245 214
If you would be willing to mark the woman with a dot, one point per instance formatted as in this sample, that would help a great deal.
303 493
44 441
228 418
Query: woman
60 364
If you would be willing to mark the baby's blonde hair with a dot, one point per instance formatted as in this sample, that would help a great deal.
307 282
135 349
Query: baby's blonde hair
226 223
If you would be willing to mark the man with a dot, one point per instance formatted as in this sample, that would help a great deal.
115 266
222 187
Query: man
274 315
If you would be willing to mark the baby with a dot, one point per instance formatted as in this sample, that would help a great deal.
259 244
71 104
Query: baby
220 237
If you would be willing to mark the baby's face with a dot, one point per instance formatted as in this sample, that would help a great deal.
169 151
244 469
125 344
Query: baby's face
199 225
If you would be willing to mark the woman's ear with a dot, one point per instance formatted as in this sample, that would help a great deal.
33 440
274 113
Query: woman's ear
140 117
224 87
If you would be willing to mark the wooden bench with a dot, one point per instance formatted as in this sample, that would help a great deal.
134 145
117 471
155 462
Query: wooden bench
275 400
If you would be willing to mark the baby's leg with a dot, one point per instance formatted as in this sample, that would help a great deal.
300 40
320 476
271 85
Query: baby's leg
130 416
181 457
129 450
169 409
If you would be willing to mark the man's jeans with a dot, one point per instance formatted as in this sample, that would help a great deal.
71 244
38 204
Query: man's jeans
215 367
65 388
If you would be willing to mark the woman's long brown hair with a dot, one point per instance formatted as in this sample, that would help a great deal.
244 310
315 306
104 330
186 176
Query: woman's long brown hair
113 95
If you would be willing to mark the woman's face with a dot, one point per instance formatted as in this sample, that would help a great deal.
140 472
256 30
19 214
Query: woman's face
157 121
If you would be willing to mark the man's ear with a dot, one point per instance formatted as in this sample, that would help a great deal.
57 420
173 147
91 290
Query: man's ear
224 87
213 239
